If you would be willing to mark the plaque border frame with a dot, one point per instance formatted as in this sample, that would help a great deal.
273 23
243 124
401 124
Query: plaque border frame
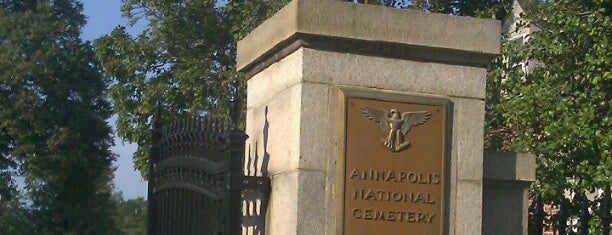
391 96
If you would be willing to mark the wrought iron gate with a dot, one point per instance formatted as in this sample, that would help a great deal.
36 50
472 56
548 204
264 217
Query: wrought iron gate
196 177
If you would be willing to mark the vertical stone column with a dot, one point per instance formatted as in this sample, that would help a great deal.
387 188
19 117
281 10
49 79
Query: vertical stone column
507 177
298 63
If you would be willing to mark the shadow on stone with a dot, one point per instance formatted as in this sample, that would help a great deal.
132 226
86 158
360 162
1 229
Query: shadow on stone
255 206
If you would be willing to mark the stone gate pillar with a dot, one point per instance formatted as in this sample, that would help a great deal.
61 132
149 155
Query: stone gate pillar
324 81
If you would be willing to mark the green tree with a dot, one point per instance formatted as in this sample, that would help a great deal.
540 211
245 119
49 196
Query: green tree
13 217
185 58
131 215
10 209
53 108
498 9
550 95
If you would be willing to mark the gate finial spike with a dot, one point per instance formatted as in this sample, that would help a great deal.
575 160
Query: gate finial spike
235 103
157 122
604 212
562 216
584 216
209 127
539 215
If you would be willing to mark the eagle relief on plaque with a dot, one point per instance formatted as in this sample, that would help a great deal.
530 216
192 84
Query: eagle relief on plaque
394 166
396 125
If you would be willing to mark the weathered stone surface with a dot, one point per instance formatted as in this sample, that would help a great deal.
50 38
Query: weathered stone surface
509 166
283 209
469 115
468 212
308 65
274 131
316 141
293 116
310 202
505 208
331 201
345 20
293 207
393 74
276 78
507 177
297 122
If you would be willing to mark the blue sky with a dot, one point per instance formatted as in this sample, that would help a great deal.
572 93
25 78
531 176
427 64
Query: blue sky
102 17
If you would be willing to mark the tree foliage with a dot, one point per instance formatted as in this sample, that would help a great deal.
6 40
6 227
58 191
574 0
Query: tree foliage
131 215
497 9
185 59
559 110
550 95
13 217
53 108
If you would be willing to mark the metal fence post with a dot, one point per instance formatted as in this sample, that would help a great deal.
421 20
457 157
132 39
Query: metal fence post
539 215
156 133
237 139
562 216
585 216
604 212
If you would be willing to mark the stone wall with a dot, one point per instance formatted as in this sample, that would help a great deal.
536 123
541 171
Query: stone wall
300 62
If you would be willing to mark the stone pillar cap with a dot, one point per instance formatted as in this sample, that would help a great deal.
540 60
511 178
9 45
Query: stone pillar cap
408 31
509 166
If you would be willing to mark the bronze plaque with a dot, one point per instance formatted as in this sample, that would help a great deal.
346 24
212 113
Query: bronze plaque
394 169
